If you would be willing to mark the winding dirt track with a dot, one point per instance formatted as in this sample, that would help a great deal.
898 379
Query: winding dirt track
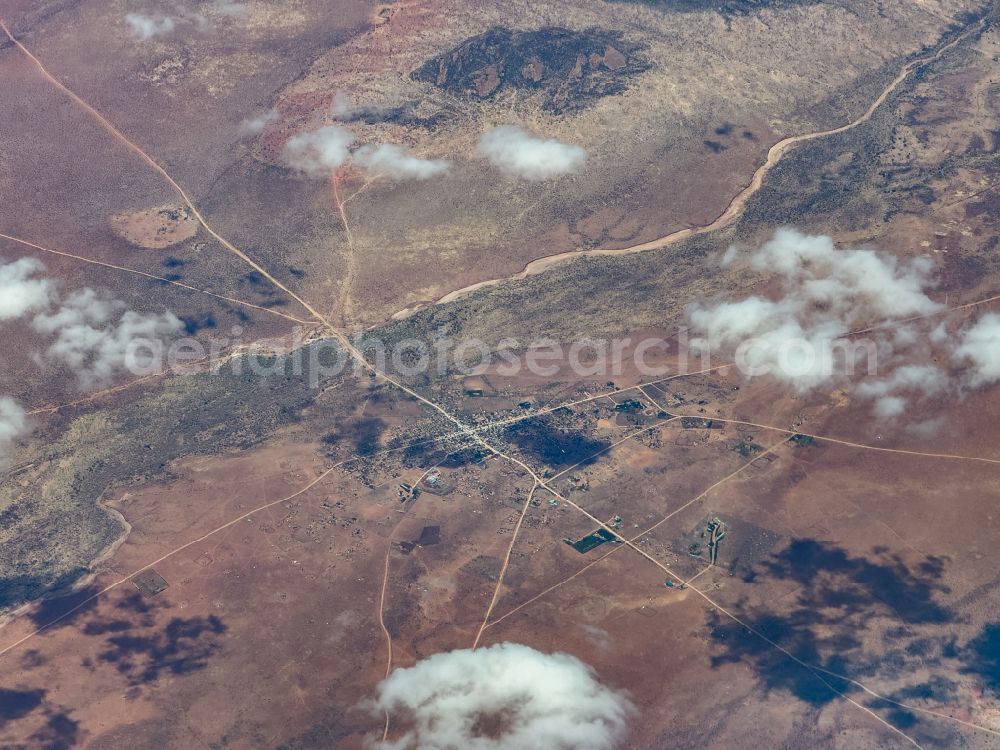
158 168
735 209
736 206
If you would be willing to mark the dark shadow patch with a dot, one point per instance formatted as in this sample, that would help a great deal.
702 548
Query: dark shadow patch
839 596
981 657
16 704
901 718
407 115
835 579
937 689
556 446
429 536
59 733
448 453
64 610
363 433
268 304
32 659
135 604
183 646
109 626
776 670
192 324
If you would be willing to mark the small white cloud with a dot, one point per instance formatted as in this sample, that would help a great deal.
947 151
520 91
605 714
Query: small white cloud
233 10
20 292
91 343
13 424
979 346
928 428
319 152
88 339
504 697
144 27
84 306
802 338
393 161
257 125
522 154
889 407
921 379
853 282
342 107
892 393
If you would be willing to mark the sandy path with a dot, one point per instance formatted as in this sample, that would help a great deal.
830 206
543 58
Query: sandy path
735 208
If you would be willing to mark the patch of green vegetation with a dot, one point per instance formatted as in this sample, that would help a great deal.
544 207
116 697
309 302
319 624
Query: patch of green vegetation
592 297
53 526
827 182
851 181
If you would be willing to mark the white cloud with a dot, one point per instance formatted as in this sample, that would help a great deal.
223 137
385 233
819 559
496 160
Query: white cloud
856 283
20 292
84 306
233 10
979 346
91 342
257 125
93 334
889 407
144 27
928 428
319 152
826 293
889 393
393 161
504 697
522 154
342 107
13 424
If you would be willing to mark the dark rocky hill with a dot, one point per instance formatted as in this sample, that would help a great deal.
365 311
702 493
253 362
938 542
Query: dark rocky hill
573 68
